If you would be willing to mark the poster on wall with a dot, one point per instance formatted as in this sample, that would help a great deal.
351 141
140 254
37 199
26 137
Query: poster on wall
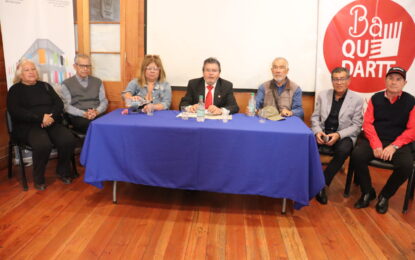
41 30
367 37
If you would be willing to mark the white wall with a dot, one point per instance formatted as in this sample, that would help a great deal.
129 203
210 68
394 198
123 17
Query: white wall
247 35
244 35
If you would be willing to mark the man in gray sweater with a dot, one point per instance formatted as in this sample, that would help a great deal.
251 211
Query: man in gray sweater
84 95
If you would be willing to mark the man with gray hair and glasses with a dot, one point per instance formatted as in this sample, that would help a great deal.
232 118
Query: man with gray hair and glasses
84 95
280 92
336 122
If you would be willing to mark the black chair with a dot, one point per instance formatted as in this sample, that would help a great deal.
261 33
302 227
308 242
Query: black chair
409 194
19 147
67 122
80 137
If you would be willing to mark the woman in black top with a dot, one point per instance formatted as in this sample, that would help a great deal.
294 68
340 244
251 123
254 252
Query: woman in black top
36 112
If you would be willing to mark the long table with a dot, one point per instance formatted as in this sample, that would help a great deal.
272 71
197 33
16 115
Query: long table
276 159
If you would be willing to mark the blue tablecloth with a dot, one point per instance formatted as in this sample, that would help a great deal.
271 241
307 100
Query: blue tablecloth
275 159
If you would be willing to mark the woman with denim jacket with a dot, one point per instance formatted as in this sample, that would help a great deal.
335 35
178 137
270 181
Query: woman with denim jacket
150 86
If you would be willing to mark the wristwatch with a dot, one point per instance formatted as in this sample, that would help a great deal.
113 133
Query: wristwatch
395 146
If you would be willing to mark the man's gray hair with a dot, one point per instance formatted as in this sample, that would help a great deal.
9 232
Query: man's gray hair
82 56
280 58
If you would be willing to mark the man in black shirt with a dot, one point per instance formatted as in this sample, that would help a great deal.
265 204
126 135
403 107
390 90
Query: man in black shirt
336 123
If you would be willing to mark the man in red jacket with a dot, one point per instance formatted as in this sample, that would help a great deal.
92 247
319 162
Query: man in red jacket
388 126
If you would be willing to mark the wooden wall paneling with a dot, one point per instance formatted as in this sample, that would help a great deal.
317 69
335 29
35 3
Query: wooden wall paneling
123 22
113 92
131 49
134 38
176 97
308 106
4 137
242 98
3 88
83 26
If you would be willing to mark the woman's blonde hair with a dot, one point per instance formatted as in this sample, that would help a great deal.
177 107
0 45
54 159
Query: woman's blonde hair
148 59
18 74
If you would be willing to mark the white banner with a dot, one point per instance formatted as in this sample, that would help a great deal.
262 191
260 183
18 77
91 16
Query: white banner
40 30
245 36
367 37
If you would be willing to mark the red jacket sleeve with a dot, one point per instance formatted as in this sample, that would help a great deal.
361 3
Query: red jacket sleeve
369 129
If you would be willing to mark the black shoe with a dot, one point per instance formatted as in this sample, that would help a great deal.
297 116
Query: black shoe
65 180
75 175
321 197
382 205
365 199
40 186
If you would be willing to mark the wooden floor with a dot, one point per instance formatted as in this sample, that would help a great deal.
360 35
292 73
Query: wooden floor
79 221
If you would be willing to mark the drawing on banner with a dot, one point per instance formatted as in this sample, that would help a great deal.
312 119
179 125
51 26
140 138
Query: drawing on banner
50 60
368 37
47 38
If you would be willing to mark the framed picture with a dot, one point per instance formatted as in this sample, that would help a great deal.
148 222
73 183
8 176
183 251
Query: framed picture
104 11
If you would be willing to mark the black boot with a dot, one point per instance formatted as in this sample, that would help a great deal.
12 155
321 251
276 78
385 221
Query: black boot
321 197
382 205
65 179
40 186
365 199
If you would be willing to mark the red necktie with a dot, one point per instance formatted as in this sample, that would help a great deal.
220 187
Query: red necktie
208 100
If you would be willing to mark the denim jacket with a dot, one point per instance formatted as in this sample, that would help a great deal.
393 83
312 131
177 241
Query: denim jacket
161 92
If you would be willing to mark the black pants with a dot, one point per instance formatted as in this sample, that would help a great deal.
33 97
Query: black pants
42 140
342 150
79 123
402 167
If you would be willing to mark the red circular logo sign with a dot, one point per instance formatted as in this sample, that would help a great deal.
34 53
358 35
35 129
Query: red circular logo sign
368 37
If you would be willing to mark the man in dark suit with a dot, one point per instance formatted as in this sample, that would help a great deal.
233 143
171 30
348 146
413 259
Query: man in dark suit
217 92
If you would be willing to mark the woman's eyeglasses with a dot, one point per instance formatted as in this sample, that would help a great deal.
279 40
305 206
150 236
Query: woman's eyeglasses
152 69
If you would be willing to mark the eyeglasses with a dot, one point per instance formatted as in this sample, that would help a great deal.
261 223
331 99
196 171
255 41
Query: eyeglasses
340 80
152 68
152 56
212 70
279 67
83 66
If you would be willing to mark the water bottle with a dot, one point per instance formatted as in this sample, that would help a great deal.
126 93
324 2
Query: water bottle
200 114
251 105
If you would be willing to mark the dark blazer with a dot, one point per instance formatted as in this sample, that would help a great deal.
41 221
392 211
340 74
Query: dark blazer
223 96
